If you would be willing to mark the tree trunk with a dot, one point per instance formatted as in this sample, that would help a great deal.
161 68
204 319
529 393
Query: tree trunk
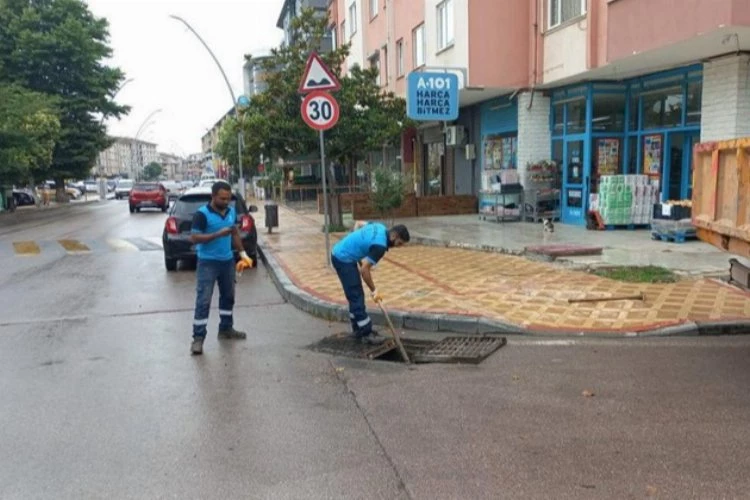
334 209
60 195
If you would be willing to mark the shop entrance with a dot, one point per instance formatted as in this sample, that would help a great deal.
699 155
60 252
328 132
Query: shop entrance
575 190
678 167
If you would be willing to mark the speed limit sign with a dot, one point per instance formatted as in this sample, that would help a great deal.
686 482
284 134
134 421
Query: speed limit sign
320 110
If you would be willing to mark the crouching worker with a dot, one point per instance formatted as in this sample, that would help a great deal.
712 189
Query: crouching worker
353 258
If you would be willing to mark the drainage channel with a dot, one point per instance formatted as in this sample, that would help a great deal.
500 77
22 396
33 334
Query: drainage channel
465 349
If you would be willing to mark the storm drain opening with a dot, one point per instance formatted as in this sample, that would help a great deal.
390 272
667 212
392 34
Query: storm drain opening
468 349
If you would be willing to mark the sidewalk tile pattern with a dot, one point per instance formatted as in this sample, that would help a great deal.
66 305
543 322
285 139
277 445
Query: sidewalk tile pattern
503 287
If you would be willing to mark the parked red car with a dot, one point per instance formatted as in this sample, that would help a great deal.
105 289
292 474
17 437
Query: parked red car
148 195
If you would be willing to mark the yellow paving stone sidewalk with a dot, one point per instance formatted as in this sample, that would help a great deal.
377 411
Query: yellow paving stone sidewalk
530 294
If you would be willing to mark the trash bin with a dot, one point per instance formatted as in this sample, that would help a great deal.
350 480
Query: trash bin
272 216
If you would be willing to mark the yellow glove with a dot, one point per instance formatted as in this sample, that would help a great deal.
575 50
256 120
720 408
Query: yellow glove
377 297
245 262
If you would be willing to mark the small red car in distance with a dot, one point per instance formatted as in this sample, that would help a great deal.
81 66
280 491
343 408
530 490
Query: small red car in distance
148 195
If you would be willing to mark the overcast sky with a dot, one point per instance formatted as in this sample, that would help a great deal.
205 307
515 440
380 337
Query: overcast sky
171 69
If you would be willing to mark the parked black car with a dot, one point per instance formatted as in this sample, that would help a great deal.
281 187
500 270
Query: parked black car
23 198
176 236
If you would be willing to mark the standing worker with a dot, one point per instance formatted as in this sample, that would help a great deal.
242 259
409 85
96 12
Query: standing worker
353 258
214 231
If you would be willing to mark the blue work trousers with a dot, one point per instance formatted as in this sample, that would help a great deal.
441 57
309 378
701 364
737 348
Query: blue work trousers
208 273
351 281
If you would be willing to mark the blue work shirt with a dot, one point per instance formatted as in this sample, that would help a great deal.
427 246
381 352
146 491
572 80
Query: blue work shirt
369 242
206 221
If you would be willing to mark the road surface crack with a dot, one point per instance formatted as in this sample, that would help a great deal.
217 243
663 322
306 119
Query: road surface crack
353 395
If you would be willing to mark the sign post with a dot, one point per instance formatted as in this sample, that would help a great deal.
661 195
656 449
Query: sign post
320 111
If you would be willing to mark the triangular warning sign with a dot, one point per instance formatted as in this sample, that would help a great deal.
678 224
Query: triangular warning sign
317 76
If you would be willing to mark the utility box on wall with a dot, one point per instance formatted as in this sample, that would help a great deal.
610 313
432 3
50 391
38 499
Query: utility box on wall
454 135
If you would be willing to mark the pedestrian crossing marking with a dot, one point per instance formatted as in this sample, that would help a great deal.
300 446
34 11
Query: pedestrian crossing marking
78 247
26 248
73 246
122 245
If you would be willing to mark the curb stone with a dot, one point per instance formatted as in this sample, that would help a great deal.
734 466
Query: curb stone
470 324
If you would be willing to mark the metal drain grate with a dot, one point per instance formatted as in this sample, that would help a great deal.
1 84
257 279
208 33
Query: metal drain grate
472 350
345 345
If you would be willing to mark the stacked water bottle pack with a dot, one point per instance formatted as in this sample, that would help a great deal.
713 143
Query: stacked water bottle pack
624 199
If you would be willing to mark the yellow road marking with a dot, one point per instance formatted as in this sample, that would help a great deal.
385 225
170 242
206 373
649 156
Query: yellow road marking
73 246
122 245
26 248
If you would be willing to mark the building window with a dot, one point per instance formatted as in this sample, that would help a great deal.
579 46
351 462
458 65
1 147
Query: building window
384 68
445 24
400 57
334 37
562 11
375 64
373 8
418 44
352 19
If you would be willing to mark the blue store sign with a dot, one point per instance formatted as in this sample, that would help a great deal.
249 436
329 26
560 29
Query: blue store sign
432 96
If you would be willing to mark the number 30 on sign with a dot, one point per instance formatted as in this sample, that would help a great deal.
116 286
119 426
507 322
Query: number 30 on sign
320 110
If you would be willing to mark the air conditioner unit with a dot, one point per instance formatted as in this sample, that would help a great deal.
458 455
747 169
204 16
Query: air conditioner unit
454 135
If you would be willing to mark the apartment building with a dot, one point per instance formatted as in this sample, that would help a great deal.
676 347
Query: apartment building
126 157
599 86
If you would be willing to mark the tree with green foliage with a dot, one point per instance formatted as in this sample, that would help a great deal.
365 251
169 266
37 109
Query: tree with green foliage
388 193
254 135
29 127
370 118
59 48
152 171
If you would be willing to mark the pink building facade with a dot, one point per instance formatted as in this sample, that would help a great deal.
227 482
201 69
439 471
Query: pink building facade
562 80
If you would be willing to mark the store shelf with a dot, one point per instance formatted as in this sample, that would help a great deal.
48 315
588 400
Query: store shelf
492 206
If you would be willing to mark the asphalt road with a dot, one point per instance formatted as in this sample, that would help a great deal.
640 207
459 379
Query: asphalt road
100 397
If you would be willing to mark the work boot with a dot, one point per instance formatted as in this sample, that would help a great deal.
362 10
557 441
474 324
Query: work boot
232 334
373 338
196 348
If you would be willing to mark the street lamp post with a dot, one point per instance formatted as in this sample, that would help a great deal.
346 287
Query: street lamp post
235 104
144 125
102 184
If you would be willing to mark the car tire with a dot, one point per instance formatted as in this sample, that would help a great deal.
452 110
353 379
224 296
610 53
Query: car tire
165 207
138 209
132 209
170 264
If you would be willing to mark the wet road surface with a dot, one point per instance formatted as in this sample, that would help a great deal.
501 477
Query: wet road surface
100 397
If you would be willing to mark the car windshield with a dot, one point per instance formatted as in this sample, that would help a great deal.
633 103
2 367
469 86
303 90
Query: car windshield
188 205
125 184
146 187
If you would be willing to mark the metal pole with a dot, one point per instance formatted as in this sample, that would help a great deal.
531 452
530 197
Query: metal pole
241 180
326 218
229 87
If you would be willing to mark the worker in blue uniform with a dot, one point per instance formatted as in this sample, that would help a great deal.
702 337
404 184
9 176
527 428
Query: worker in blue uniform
353 258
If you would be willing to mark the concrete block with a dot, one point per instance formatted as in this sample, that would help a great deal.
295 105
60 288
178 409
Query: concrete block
487 326
723 328
458 324
422 322
688 329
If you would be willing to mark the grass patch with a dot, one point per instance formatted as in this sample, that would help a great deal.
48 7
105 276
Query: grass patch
334 228
636 274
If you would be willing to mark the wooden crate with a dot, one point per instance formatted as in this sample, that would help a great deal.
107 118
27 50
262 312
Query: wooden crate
721 194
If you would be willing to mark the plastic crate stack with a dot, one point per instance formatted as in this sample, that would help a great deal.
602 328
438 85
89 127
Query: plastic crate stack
624 199
673 222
